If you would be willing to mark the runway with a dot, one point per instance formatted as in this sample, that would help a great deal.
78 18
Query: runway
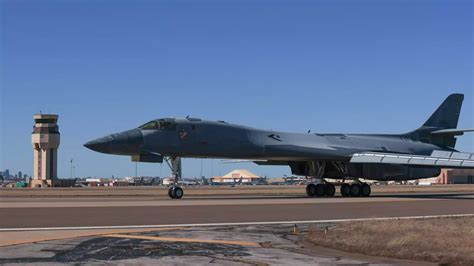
202 229
71 212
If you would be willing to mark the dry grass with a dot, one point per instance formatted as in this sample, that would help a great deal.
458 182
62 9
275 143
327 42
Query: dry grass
445 241
154 191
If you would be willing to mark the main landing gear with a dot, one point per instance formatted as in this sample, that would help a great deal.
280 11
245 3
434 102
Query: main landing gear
175 191
320 190
319 187
355 190
347 190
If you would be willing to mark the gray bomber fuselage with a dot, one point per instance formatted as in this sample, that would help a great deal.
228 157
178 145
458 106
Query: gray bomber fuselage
222 140
209 139
330 155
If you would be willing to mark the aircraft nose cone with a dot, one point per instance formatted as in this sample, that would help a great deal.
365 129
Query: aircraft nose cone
124 143
100 144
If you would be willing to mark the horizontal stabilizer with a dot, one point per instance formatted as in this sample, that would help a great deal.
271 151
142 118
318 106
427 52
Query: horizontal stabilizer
451 131
442 159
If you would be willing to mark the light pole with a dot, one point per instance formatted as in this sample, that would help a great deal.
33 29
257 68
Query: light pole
136 169
200 175
71 167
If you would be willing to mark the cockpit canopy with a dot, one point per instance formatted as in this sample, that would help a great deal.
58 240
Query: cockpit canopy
163 124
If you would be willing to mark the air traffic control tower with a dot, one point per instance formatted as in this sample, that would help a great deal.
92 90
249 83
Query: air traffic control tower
45 140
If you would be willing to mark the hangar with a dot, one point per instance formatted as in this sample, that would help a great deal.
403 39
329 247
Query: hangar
237 176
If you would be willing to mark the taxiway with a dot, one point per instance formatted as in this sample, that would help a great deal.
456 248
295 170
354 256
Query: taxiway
73 212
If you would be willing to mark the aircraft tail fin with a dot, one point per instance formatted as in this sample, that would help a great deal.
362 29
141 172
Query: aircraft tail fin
447 114
439 128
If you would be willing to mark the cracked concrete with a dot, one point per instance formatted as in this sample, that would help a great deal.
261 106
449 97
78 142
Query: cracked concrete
277 245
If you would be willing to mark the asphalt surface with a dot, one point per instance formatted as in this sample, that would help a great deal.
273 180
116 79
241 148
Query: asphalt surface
175 244
224 245
119 212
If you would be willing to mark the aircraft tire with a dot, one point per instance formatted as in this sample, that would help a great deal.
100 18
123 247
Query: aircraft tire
355 190
177 192
320 190
170 192
330 190
345 190
365 190
311 190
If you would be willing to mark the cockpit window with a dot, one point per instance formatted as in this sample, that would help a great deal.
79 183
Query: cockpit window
150 125
163 125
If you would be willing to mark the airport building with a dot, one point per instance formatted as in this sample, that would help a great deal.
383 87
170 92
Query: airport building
456 176
237 176
45 141
449 176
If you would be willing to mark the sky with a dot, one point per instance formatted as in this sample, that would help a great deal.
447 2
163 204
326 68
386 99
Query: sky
329 66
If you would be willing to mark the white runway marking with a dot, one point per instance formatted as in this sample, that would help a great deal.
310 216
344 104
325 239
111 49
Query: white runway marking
232 224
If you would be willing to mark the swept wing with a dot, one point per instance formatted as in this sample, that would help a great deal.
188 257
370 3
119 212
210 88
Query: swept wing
442 159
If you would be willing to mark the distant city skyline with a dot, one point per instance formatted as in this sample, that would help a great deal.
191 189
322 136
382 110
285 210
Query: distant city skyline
7 173
324 66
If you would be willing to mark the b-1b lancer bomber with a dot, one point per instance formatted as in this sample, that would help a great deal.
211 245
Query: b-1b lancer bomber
420 153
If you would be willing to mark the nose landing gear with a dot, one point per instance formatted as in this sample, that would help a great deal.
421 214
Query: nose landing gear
175 191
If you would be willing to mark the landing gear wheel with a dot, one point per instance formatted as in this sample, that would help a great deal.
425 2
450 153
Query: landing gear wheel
178 192
175 192
365 190
345 190
320 190
330 190
311 190
355 190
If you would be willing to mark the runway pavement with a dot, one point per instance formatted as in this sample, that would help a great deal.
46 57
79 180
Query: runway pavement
219 229
71 212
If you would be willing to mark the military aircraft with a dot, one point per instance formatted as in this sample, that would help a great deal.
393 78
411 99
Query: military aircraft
420 153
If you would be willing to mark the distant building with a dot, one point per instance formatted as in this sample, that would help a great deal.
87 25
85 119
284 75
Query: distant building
142 180
277 181
6 174
450 176
237 176
93 180
11 185
20 175
456 176
120 183
97 182
184 182
166 181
